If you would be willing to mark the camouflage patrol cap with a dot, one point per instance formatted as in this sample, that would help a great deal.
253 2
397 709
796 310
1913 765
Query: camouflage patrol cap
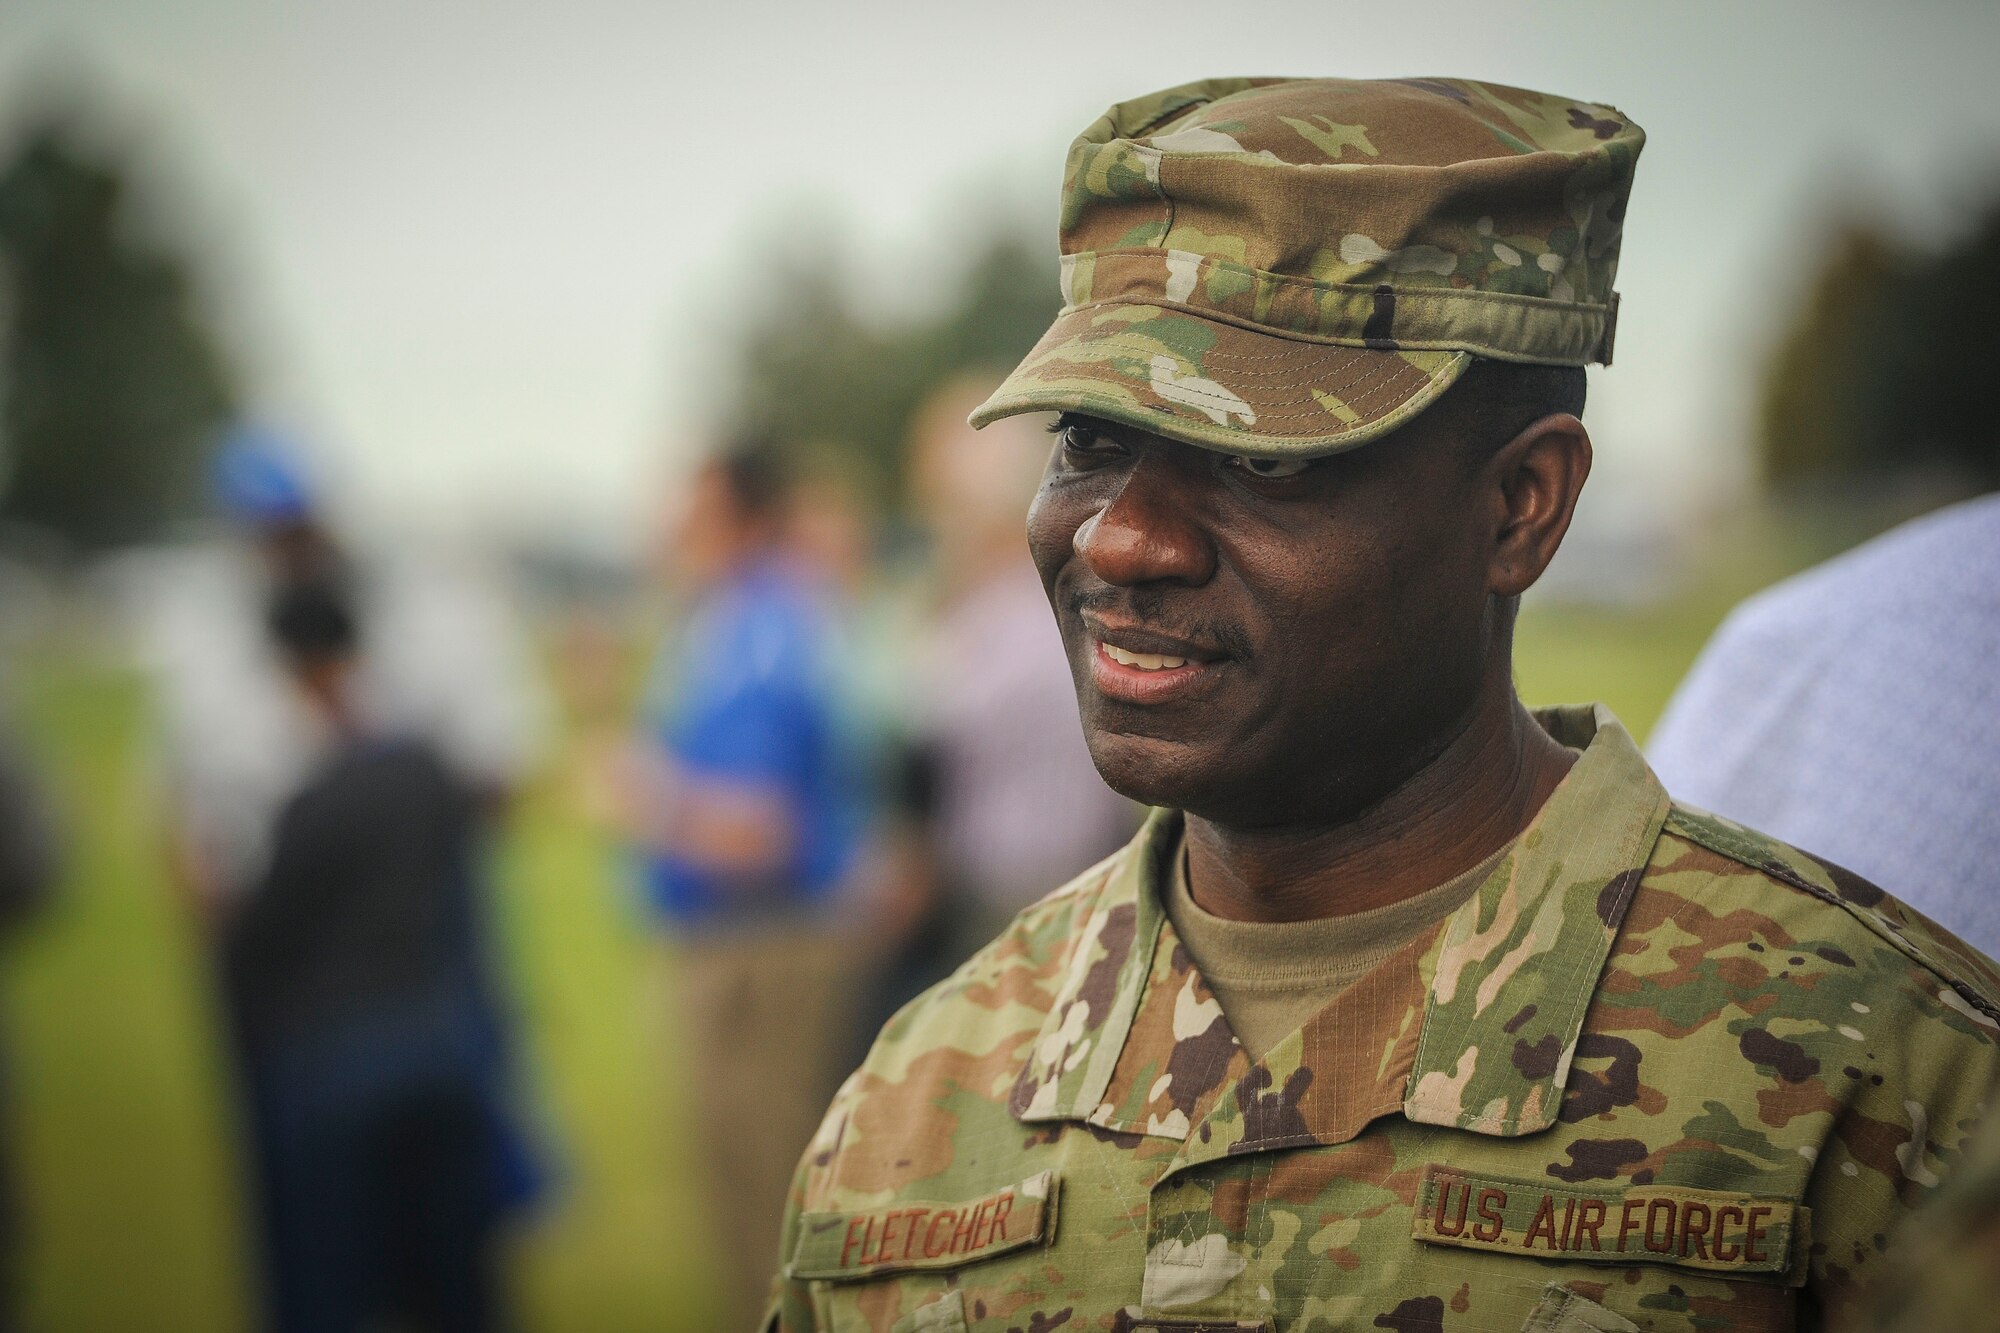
1288 268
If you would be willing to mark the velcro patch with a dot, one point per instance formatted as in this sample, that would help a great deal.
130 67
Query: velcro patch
1713 1230
908 1235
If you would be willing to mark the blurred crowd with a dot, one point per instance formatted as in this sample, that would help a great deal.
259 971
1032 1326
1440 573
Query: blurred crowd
833 754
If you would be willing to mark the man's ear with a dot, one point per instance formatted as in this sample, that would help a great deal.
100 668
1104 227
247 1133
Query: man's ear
1535 479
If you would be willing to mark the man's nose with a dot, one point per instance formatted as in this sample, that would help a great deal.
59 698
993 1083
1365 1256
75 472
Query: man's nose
1148 532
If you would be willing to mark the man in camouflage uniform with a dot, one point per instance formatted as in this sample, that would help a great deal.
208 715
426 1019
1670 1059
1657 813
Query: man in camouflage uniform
1589 1060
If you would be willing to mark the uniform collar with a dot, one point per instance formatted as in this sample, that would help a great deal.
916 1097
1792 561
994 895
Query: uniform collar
1471 1026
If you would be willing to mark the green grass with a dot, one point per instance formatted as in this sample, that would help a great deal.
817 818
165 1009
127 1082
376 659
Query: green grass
123 1149
1630 660
1632 657
624 1245
121 1139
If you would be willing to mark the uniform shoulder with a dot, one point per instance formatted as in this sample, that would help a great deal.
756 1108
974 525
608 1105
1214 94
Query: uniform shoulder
1972 983
1014 973
956 1050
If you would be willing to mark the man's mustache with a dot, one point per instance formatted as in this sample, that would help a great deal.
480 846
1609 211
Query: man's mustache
1147 607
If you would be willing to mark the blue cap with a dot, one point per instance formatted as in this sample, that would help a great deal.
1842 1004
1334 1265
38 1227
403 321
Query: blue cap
259 477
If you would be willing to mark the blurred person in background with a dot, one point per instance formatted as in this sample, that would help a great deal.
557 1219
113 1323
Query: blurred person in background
1855 709
370 1043
443 658
832 530
1015 804
747 806
27 838
27 879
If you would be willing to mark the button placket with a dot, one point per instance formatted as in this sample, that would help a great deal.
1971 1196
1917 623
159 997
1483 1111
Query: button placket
1196 1261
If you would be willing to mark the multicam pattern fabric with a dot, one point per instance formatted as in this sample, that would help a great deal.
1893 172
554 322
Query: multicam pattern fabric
1644 1007
1946 1261
1288 267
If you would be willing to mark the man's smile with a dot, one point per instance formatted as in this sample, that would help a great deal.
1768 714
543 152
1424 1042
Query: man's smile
1144 678
1143 661
1135 665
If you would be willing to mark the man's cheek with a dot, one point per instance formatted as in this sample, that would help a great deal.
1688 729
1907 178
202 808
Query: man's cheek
1076 651
1051 535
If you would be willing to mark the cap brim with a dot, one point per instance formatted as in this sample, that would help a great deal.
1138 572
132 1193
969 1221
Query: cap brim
1220 385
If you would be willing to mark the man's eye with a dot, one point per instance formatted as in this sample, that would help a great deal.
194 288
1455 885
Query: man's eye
1267 467
1080 439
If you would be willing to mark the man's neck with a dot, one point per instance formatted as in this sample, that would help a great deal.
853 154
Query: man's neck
1479 793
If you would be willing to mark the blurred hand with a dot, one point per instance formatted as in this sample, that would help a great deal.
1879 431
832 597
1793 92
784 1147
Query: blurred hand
627 786
896 888
741 831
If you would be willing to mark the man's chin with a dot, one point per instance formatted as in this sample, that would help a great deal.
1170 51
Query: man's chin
1157 770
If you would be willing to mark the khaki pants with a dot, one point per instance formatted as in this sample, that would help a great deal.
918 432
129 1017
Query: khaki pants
765 1012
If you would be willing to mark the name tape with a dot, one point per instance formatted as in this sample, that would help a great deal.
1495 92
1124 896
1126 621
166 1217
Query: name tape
1658 1224
909 1235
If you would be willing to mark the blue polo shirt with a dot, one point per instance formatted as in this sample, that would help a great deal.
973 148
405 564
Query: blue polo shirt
754 697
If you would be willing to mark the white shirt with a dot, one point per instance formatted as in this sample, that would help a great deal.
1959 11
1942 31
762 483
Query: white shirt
1020 805
1854 711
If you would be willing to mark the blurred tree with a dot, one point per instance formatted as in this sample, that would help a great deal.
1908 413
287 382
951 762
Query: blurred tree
817 369
1887 365
1940 371
1824 397
113 387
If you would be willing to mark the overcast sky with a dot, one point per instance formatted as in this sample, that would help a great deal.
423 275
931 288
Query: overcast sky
485 253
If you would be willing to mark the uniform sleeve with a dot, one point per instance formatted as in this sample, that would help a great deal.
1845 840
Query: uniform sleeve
1923 1074
790 1309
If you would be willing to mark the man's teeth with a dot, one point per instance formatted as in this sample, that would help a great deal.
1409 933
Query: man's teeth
1143 661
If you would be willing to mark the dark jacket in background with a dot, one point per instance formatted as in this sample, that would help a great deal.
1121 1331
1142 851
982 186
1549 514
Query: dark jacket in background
373 1054
368 901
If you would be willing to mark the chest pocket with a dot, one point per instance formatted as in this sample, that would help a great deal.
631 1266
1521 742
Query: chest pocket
1563 1311
946 1314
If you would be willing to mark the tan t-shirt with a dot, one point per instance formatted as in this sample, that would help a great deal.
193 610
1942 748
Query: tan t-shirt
1270 977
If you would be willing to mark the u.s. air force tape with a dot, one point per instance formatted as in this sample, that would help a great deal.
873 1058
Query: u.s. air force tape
1714 1230
911 1235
